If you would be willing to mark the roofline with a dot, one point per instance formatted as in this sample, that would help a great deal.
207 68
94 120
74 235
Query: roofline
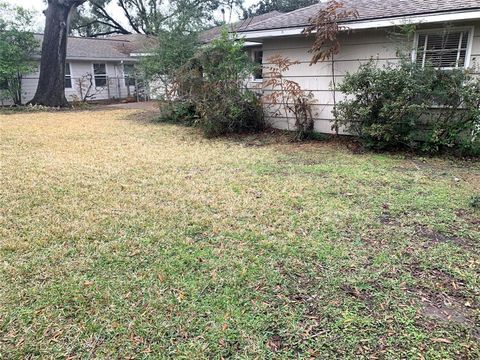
88 58
370 23
89 38
77 58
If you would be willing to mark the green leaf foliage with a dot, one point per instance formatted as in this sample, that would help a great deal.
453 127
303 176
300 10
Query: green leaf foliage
405 106
213 83
17 45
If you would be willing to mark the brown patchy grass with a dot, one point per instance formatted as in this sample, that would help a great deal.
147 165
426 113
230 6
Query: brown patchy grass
122 238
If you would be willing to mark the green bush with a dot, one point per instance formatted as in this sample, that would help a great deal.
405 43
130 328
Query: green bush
212 84
475 201
178 112
403 105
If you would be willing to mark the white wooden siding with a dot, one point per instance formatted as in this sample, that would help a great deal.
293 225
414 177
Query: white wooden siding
78 69
356 48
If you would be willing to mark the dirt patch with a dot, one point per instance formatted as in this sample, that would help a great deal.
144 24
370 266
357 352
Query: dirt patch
275 343
469 216
433 237
448 309
363 295
387 219
442 298
442 282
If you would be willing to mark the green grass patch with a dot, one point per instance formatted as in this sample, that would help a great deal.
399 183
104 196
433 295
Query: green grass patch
123 238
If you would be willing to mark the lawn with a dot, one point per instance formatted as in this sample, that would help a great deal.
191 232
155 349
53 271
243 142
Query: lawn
123 238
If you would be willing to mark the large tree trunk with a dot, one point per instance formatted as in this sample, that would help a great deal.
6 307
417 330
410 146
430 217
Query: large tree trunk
51 85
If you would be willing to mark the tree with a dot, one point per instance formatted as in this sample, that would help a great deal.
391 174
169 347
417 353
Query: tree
211 92
17 45
176 48
51 84
266 6
143 16
326 25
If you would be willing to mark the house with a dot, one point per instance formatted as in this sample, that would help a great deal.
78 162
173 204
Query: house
447 35
97 68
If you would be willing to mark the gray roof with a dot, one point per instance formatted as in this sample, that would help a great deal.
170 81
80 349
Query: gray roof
367 10
213 33
115 48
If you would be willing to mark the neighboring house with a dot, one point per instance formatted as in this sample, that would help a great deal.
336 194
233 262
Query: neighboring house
105 63
448 35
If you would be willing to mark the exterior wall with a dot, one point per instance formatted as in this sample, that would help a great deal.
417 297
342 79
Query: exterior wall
116 89
356 48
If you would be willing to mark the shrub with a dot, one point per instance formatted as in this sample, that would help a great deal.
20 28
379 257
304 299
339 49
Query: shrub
285 97
475 201
178 112
403 105
213 82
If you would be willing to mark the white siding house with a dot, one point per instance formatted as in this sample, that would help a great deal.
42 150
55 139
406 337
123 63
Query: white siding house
369 37
107 63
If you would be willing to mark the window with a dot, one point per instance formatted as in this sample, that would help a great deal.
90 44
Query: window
446 49
100 73
129 73
68 76
258 60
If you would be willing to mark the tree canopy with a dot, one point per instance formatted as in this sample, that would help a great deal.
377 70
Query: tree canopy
266 6
17 45
143 16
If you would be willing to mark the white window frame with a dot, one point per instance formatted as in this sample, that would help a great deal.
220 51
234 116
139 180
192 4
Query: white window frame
436 31
100 75
69 76
255 50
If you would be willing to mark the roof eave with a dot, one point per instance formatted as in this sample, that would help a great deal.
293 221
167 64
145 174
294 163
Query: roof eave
89 58
368 24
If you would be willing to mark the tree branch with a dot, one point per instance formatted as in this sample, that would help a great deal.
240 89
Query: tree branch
111 21
121 3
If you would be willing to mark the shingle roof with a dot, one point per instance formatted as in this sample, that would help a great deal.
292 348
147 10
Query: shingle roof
368 10
115 48
209 35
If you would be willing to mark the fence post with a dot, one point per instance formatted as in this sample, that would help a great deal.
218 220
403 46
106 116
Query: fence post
80 86
108 87
119 88
136 88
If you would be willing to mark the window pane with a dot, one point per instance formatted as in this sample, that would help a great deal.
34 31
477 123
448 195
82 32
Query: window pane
67 69
100 81
463 56
258 60
443 41
445 50
129 72
444 59
465 40
421 41
100 69
68 82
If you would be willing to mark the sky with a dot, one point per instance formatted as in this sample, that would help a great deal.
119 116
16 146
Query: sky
38 6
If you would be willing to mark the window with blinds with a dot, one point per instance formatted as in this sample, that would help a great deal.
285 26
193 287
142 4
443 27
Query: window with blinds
447 49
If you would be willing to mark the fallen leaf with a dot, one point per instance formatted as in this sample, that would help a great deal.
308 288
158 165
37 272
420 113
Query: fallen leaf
441 340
